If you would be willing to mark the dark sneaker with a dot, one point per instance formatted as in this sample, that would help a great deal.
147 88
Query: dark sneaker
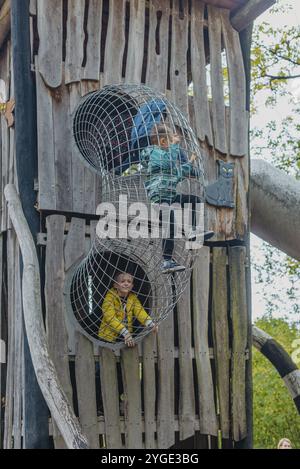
171 266
194 234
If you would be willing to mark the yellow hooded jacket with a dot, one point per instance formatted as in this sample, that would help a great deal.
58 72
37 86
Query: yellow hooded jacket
113 315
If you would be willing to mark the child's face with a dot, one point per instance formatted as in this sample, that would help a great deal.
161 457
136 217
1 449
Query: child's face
124 284
169 139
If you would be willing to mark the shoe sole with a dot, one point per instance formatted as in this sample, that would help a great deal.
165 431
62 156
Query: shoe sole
174 269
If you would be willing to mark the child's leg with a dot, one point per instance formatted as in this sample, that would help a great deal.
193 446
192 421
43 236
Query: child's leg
168 243
183 199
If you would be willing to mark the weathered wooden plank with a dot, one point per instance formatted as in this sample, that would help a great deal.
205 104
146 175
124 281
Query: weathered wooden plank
18 363
178 67
110 397
86 391
5 62
216 73
75 40
221 336
33 7
237 88
115 42
91 69
157 65
239 317
207 408
132 398
166 385
55 309
45 132
62 149
149 381
200 90
77 164
249 12
75 242
136 39
186 380
50 29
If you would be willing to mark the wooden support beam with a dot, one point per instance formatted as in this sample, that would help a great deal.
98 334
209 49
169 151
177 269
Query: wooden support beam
4 21
249 12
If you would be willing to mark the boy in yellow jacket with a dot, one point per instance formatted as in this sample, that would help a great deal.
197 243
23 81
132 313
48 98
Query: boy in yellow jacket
120 307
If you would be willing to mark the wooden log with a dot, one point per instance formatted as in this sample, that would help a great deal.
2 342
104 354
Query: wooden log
110 398
115 42
91 69
216 73
186 380
132 398
239 317
157 65
178 67
200 90
50 29
207 407
5 21
221 336
136 40
237 88
75 40
43 365
249 12
149 387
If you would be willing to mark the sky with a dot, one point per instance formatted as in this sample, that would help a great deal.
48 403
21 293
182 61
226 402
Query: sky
283 108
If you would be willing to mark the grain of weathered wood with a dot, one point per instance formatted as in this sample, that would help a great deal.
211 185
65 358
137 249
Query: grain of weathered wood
216 73
239 315
75 242
50 29
186 380
149 382
178 67
221 336
74 42
157 64
86 390
166 384
93 48
62 149
115 42
200 89
136 39
110 398
45 132
237 88
55 309
132 398
207 408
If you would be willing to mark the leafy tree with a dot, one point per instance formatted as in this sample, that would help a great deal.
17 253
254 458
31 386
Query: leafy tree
275 414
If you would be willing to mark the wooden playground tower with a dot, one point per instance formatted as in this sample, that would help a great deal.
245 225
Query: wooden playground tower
190 387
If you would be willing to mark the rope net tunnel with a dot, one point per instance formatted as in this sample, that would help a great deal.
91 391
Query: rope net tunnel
149 161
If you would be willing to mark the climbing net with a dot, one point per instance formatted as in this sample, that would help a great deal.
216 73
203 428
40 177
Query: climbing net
148 158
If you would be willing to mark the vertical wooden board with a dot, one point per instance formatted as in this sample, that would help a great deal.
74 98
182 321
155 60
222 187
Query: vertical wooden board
158 45
149 381
86 389
75 40
5 142
33 7
50 29
216 73
239 316
237 86
62 149
221 335
242 188
17 366
91 70
186 380
55 307
200 90
136 40
178 68
77 164
45 133
110 398
166 385
115 42
207 407
131 374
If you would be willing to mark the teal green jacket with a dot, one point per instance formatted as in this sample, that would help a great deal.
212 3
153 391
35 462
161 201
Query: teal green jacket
163 172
